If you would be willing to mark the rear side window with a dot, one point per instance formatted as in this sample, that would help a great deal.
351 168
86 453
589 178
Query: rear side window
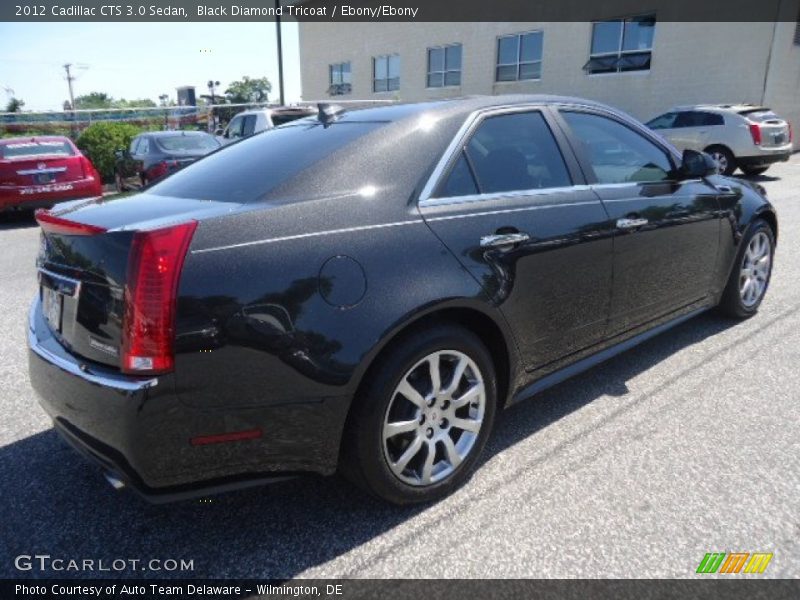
695 118
513 152
246 171
617 153
36 148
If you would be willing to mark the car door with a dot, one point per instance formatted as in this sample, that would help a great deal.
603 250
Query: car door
667 229
512 206
249 125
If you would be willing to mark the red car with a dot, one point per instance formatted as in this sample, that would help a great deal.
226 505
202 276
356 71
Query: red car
40 171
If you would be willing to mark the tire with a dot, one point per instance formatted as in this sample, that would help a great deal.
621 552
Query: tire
740 300
724 158
413 462
754 171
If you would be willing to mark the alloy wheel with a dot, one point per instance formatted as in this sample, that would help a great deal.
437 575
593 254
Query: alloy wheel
721 159
434 418
755 269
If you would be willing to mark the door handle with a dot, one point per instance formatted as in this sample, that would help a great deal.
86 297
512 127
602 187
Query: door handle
503 239
631 223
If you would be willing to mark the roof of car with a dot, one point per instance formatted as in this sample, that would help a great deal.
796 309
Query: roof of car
720 107
158 134
453 106
34 138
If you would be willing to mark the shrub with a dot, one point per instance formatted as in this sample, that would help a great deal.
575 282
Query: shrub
99 141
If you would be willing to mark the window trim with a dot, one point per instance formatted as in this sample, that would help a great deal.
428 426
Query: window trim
444 72
620 52
519 63
451 154
387 78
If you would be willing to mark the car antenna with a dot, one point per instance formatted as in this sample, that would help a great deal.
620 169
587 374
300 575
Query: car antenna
328 113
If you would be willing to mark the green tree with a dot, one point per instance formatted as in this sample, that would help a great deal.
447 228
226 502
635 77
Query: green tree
15 105
248 90
94 100
139 103
99 142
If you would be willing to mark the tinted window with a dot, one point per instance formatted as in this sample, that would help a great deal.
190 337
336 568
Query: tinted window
249 125
281 118
234 128
240 173
460 181
617 153
37 148
694 118
187 143
516 152
665 121
621 45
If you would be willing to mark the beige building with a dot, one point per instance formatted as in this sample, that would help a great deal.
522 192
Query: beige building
639 64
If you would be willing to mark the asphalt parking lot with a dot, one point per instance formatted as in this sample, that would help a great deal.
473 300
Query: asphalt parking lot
686 445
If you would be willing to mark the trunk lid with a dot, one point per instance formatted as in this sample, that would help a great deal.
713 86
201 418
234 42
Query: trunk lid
40 170
774 130
83 265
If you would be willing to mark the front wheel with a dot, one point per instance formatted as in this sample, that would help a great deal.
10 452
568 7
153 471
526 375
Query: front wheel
423 417
748 282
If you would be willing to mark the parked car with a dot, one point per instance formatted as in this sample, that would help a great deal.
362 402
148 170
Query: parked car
39 171
371 300
156 154
735 135
255 121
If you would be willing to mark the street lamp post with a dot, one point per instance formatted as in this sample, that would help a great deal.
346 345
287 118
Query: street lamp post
280 51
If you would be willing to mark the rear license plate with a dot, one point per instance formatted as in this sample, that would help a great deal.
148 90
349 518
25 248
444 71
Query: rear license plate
778 138
52 303
44 178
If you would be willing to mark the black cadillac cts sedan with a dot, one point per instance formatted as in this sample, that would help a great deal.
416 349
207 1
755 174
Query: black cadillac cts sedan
364 290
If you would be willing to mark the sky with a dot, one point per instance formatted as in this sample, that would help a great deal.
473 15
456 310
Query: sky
140 60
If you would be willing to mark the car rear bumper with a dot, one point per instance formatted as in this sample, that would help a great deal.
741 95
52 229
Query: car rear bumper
139 432
24 197
766 156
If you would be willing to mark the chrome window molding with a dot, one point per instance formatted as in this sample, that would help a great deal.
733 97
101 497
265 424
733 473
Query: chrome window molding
498 195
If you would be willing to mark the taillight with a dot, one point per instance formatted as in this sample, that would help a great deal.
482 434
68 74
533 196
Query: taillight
52 224
87 168
162 168
755 131
154 269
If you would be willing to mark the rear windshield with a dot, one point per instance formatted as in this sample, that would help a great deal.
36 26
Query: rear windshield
187 143
759 115
37 148
247 170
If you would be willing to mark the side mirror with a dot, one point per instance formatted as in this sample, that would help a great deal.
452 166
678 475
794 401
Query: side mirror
219 131
119 154
696 164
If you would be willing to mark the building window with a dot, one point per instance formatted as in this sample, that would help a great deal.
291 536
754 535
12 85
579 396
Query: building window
444 66
386 73
621 45
519 56
339 79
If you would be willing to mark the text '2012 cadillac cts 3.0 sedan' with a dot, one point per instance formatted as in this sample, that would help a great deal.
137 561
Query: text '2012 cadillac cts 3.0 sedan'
364 290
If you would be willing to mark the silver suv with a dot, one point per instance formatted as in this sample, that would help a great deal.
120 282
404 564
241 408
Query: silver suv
736 135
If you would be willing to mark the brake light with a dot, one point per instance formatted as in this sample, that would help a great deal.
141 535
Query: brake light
87 168
154 269
162 168
755 131
52 224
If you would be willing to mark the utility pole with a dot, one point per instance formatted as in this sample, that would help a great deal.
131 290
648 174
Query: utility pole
280 51
70 79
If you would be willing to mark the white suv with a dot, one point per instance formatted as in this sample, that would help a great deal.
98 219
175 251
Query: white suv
250 122
736 135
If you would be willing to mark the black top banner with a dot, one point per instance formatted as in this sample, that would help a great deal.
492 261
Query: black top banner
395 10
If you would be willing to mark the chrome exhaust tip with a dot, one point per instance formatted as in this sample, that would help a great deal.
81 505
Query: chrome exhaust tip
115 481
